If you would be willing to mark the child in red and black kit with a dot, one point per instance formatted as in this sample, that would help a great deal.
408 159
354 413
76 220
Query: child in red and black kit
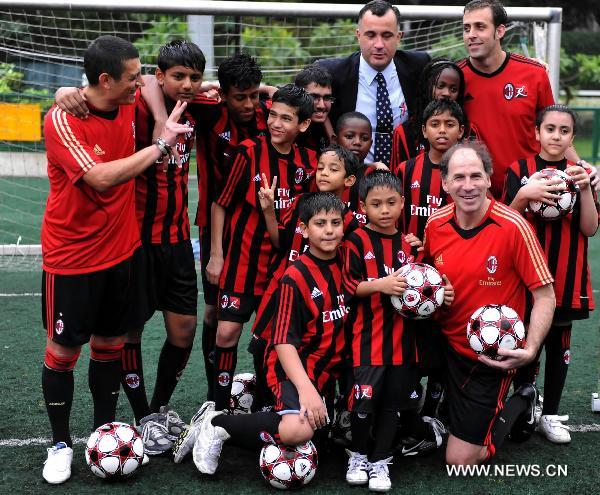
441 78
335 173
565 243
240 245
383 347
443 126
305 347
354 132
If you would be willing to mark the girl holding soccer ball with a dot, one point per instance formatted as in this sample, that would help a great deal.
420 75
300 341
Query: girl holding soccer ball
565 242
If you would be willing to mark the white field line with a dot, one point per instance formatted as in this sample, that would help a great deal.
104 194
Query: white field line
21 294
25 442
39 294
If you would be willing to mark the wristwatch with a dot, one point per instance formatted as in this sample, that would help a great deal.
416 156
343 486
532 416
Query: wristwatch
163 146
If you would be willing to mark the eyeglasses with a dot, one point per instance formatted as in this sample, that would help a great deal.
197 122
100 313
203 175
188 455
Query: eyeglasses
326 98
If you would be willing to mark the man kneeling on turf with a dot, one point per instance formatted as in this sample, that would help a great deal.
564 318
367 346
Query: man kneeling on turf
305 349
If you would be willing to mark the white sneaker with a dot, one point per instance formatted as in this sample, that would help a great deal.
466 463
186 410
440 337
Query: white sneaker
175 426
155 436
437 428
57 468
358 468
552 428
185 443
379 476
538 409
209 444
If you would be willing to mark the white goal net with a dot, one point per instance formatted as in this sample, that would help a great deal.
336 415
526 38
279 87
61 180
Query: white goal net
41 49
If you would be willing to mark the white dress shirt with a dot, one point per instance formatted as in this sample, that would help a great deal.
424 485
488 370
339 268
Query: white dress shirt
366 98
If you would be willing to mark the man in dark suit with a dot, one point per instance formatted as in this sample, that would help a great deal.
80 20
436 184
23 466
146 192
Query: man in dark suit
354 78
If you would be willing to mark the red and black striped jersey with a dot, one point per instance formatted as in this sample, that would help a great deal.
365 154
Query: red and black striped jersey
511 96
351 196
565 246
310 313
217 137
403 145
247 246
161 192
423 193
292 245
315 138
493 263
379 334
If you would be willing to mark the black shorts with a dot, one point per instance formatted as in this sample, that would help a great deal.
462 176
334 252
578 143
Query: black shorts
168 282
430 345
287 400
377 388
236 307
475 395
75 307
211 291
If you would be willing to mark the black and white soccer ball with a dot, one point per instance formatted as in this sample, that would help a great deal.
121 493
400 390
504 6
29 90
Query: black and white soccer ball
288 467
564 205
243 390
493 327
114 450
424 294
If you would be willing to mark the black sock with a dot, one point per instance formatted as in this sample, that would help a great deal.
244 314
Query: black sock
527 373
104 381
58 396
262 395
171 364
209 338
514 407
558 355
412 425
384 430
225 362
132 380
250 430
435 388
360 425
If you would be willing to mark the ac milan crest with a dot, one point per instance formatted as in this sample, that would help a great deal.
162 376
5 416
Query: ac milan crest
132 380
492 264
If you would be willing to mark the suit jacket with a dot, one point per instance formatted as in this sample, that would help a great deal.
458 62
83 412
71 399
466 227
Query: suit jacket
344 72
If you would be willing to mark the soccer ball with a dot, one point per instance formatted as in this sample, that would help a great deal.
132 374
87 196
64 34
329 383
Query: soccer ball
288 467
114 450
424 294
564 205
243 388
494 327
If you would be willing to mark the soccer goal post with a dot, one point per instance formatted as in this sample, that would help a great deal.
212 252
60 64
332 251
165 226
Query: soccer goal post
42 45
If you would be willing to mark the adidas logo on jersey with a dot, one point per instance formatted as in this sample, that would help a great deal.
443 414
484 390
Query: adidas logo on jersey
369 256
414 395
415 185
99 151
298 230
225 135
524 181
315 293
439 260
256 178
